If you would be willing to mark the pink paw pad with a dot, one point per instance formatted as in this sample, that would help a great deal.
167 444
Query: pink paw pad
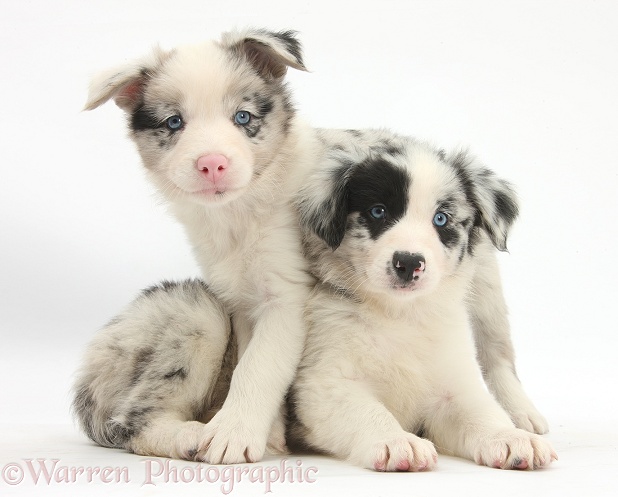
403 466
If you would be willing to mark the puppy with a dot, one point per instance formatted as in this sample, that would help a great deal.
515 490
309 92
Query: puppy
218 135
395 231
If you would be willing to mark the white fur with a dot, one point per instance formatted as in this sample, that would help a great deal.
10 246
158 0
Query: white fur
383 362
154 380
244 233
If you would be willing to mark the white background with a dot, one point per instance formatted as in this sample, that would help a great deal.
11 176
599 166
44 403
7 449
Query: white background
530 86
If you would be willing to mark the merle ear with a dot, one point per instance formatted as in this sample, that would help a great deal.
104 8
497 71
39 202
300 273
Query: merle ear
494 198
269 52
124 84
323 204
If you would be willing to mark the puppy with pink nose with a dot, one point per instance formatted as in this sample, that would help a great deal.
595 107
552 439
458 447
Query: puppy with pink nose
219 137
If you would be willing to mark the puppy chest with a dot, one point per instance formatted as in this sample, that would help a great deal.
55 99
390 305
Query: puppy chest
257 269
397 363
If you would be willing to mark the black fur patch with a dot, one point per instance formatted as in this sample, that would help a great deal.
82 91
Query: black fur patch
180 374
253 127
330 219
448 206
144 119
378 182
264 104
260 55
387 147
292 45
116 436
143 358
449 235
136 420
167 286
505 206
288 38
460 164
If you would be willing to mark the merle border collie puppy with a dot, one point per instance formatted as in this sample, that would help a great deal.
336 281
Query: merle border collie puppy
218 135
399 235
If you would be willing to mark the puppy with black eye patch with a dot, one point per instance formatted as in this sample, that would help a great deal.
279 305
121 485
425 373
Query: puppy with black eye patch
389 376
374 156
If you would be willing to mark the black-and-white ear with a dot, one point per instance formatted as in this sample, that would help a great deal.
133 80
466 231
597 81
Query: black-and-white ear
494 198
124 84
269 52
323 204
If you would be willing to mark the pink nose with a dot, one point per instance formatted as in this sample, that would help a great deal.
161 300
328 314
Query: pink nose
213 166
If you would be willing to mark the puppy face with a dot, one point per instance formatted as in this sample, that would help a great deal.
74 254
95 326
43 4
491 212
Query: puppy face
207 119
407 222
397 216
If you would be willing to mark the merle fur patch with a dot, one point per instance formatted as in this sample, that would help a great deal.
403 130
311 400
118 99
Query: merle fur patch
292 45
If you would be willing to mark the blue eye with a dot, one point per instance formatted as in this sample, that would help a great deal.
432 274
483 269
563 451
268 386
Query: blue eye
174 123
378 212
242 117
440 219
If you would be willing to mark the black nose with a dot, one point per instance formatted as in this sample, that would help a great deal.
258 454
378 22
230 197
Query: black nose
408 266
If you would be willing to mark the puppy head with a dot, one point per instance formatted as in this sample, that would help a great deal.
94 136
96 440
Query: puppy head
207 119
387 214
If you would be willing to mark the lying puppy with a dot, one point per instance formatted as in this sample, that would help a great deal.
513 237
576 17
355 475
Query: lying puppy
218 136
395 231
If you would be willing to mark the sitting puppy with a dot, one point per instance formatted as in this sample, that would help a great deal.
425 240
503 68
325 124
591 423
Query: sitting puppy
218 136
395 232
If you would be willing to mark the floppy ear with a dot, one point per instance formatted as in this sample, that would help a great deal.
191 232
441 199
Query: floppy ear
323 204
124 84
269 52
494 198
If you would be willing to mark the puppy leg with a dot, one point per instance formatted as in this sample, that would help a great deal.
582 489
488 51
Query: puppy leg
495 352
153 371
465 420
276 444
343 418
239 432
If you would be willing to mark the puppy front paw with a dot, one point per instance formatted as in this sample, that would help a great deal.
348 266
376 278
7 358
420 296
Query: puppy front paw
515 449
229 439
399 452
